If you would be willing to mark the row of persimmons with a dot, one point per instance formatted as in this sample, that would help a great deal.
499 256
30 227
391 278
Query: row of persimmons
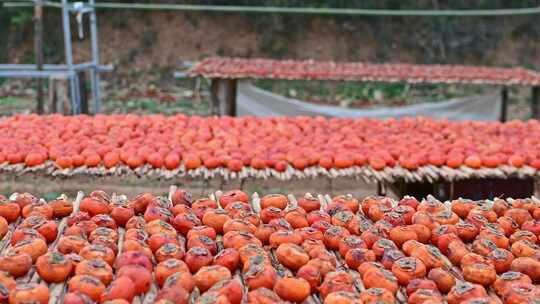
232 248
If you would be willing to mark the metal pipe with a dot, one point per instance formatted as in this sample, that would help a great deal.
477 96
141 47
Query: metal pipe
178 74
73 93
302 10
77 103
21 67
96 94
58 67
69 51
35 74
93 66
38 50
67 34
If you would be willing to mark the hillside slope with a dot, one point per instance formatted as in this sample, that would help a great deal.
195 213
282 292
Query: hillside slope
154 43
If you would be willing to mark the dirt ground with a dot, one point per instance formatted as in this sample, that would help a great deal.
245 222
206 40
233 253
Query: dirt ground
45 186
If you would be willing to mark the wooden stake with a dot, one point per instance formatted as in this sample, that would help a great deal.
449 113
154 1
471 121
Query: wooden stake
230 96
535 103
53 96
504 103
84 93
214 88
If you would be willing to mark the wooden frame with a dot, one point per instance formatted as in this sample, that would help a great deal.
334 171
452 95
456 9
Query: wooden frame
224 102
473 188
224 76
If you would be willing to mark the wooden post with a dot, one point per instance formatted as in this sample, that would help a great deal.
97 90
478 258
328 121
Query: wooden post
379 188
4 28
38 50
214 91
504 103
230 97
53 96
223 95
242 182
535 103
84 93
63 102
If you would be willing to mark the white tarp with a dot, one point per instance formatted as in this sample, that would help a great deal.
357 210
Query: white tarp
257 102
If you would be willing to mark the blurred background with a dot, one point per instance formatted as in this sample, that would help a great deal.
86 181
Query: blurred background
147 46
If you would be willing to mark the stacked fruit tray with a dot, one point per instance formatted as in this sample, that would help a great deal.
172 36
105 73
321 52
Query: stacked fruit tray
219 67
234 248
411 149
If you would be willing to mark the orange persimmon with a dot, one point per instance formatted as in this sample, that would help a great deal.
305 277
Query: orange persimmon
53 267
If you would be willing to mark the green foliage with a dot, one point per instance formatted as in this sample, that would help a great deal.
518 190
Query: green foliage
8 101
361 94
4 24
430 39
21 18
375 4
49 196
153 106
11 18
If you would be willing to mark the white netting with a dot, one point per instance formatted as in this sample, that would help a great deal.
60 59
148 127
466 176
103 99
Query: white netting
257 102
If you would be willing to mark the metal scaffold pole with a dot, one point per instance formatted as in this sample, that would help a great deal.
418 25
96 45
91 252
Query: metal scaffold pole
38 50
69 71
96 94
73 80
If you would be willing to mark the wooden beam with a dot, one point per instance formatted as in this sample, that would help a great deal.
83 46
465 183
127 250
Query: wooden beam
535 103
504 104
